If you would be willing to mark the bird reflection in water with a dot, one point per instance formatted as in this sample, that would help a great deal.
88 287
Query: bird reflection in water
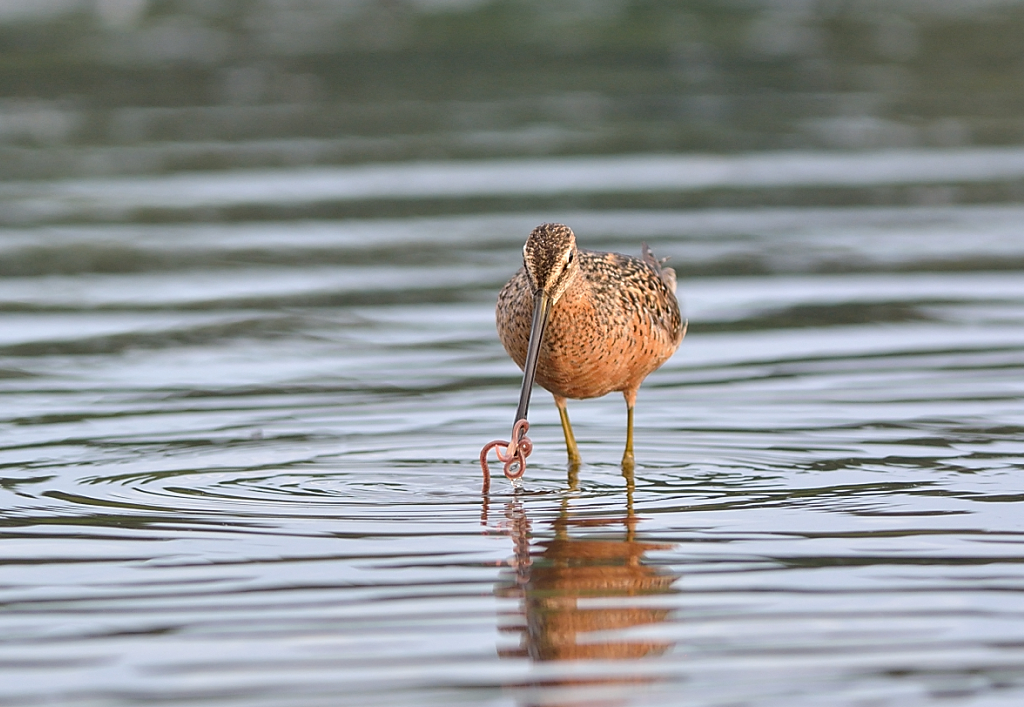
581 589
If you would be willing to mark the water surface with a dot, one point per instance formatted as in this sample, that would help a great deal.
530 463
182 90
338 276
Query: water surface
238 465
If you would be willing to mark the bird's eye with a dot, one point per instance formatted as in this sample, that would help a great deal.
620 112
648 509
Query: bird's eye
569 259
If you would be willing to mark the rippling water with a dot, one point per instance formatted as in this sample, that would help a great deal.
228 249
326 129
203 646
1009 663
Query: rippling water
238 466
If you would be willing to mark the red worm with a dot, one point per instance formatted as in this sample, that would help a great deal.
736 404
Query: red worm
515 452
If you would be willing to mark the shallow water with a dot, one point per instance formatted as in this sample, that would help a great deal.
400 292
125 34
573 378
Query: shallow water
238 466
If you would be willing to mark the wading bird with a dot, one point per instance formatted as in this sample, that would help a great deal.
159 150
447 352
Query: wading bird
584 324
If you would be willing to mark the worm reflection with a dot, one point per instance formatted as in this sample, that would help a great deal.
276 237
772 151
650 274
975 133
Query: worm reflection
578 583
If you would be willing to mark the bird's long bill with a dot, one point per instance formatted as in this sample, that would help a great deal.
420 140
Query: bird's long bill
541 312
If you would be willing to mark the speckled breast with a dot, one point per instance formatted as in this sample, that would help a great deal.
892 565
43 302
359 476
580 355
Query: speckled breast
598 340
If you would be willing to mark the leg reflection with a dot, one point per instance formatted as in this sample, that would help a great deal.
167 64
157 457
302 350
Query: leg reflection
556 578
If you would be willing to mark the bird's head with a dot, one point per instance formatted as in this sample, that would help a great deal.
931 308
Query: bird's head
552 263
551 259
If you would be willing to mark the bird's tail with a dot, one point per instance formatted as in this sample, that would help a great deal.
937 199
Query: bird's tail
667 275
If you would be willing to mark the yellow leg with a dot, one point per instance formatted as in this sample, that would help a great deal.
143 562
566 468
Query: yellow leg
628 462
570 440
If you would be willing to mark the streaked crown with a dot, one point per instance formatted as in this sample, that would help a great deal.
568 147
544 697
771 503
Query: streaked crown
550 258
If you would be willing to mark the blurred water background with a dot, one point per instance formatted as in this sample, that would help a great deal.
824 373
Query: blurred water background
249 253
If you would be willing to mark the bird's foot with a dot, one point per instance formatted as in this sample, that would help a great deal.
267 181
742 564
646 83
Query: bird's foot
574 474
628 464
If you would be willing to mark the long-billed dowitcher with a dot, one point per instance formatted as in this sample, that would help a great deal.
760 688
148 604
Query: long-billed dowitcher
584 323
